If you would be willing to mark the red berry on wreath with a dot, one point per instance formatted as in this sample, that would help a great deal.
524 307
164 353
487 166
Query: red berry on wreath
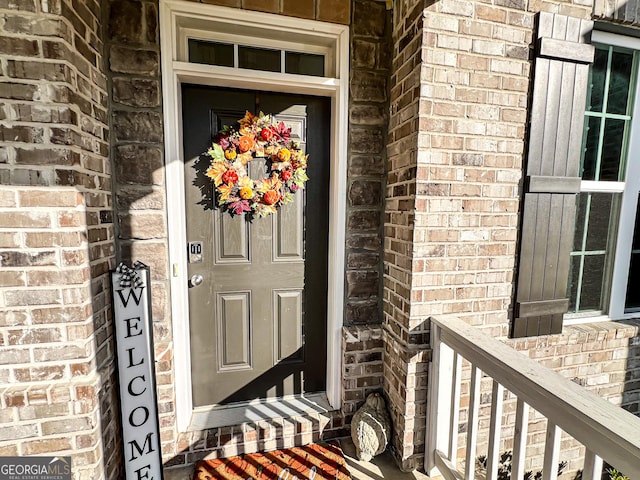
229 177
285 175
266 134
270 197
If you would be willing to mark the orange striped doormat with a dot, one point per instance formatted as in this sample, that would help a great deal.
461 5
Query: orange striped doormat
311 462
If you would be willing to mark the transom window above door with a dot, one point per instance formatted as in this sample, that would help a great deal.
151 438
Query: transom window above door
255 58
605 262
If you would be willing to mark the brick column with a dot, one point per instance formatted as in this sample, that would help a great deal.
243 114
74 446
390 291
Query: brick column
404 342
369 73
137 150
56 238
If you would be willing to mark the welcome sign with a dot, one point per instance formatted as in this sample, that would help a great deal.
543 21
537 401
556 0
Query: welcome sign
134 347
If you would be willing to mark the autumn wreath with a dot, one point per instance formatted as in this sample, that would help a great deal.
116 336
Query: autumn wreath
257 137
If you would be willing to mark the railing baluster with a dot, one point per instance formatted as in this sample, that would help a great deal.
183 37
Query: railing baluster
495 426
455 409
520 440
439 401
472 423
551 452
592 466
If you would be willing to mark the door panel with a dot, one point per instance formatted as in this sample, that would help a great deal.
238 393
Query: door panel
288 232
232 243
287 333
258 319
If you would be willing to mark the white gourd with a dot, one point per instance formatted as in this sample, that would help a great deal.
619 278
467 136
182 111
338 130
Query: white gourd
371 428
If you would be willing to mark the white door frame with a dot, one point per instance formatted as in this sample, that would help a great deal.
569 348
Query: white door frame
179 18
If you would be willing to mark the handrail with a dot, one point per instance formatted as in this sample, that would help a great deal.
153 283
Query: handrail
609 431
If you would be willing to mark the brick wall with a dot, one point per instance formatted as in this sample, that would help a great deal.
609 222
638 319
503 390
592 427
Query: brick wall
56 237
362 366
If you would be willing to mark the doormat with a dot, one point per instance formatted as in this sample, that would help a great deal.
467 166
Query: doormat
311 462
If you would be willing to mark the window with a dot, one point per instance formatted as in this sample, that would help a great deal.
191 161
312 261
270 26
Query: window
604 276
255 58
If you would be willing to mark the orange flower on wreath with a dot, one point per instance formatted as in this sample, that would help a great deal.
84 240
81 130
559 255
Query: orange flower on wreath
270 197
246 143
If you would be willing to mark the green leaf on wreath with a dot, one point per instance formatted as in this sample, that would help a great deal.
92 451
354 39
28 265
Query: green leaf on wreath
216 153
299 177
287 198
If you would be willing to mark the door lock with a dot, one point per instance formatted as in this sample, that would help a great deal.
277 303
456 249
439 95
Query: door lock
195 252
195 280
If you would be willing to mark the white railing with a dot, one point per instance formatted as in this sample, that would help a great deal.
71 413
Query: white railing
606 431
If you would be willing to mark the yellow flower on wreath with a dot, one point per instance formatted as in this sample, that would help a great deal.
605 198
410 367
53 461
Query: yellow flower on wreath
246 193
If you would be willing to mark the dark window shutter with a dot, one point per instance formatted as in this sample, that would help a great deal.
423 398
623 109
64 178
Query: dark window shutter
552 176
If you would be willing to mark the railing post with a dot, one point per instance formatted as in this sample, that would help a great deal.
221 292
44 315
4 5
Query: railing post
441 388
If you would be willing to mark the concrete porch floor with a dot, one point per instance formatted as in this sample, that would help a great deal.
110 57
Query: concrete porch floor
381 467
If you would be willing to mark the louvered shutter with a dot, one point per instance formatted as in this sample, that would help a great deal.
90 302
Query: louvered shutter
552 174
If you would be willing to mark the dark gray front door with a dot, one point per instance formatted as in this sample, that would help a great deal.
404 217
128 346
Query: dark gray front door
258 319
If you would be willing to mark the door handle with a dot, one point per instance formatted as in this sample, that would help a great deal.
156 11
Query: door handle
196 280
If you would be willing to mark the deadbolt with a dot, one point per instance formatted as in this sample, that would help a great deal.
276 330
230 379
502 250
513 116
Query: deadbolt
195 280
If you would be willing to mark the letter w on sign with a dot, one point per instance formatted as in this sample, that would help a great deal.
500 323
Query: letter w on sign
136 373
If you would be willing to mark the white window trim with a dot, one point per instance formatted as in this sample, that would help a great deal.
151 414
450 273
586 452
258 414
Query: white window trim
177 15
622 256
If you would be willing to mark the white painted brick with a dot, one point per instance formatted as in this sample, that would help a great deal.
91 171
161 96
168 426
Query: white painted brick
598 380
447 23
456 7
471 128
486 47
507 66
454 42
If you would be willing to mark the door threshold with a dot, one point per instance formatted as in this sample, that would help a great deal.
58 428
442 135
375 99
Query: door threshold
203 418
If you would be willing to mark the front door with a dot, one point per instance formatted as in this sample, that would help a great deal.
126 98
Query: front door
258 290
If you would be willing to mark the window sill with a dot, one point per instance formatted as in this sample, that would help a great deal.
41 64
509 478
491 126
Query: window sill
626 327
